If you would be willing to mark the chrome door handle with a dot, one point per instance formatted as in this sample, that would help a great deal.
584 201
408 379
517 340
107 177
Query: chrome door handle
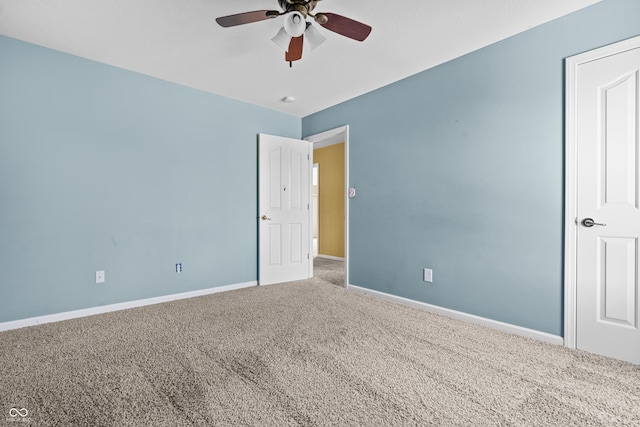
264 218
589 222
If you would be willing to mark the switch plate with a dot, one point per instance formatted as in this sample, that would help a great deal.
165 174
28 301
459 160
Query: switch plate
100 276
427 275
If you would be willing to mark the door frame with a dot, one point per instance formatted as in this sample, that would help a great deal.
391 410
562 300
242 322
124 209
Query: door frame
314 218
342 133
571 168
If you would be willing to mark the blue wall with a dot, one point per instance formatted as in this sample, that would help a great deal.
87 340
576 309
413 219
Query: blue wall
105 169
460 169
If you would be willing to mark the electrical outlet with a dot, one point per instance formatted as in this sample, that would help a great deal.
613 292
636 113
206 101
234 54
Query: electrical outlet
179 267
100 276
427 275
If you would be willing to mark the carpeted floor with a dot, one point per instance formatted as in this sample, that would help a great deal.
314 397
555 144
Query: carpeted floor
329 270
307 354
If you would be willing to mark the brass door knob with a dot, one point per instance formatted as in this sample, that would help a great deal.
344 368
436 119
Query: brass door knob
264 218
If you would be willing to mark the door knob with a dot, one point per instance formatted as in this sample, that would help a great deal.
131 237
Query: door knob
264 218
589 222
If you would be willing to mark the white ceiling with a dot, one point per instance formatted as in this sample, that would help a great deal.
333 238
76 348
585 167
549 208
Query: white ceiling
179 41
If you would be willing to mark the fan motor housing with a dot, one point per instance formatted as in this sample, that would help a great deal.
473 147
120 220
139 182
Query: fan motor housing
301 6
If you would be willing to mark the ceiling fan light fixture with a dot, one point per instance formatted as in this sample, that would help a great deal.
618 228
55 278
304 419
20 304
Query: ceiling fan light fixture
291 36
282 39
313 37
295 24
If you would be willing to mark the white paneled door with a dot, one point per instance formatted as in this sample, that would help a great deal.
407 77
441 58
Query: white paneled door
284 215
607 203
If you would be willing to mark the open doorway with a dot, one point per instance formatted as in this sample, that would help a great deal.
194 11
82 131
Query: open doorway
330 206
315 216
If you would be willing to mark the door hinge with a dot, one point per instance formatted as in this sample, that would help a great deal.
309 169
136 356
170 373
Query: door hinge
307 256
307 206
308 158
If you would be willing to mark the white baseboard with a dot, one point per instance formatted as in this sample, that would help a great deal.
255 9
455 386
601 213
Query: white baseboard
501 326
49 318
335 258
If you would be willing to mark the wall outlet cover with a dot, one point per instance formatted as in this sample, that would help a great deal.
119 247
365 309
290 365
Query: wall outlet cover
427 275
100 276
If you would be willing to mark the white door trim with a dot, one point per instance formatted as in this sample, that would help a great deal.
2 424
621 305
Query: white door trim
342 133
571 146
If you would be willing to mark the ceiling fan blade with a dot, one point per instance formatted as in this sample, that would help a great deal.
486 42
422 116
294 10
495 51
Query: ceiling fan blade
295 49
246 17
346 26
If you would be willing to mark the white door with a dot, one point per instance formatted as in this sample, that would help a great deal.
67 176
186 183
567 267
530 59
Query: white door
607 204
283 205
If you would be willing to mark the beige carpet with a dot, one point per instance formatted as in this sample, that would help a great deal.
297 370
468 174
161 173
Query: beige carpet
306 354
329 270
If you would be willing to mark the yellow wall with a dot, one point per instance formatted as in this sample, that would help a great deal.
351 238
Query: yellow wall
331 195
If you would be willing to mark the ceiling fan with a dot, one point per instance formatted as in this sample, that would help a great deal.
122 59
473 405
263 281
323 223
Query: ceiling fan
291 36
